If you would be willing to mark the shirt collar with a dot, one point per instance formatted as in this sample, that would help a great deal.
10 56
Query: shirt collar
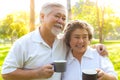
88 54
36 37
70 57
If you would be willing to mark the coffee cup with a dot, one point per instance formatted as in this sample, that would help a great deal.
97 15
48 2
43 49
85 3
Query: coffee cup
59 65
89 74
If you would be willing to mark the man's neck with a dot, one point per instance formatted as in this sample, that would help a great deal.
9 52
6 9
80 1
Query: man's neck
47 36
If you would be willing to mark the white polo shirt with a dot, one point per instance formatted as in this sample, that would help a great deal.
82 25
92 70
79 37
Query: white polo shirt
90 60
30 52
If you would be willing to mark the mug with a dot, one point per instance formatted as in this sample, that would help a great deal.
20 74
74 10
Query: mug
89 74
59 65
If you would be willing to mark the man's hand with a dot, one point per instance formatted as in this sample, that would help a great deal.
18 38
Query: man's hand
101 49
45 71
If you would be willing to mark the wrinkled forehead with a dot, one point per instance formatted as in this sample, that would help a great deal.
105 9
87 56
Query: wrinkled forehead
51 7
59 11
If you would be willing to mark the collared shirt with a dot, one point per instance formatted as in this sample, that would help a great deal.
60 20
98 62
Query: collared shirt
30 52
90 60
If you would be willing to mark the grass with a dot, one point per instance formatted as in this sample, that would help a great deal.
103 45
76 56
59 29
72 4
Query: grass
115 56
4 48
113 48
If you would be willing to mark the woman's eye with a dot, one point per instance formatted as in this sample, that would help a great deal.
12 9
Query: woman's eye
77 37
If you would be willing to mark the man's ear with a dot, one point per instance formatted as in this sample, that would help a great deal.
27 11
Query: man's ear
41 16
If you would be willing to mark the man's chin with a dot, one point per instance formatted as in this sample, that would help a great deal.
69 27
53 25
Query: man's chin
56 33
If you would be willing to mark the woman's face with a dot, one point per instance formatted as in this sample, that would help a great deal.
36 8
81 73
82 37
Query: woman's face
79 40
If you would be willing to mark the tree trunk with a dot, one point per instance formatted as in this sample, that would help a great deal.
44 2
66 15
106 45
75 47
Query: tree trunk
98 22
32 15
69 17
102 24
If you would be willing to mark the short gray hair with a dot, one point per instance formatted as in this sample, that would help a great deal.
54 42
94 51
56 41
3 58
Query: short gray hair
46 8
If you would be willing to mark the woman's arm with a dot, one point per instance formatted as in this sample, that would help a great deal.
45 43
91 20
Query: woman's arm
105 76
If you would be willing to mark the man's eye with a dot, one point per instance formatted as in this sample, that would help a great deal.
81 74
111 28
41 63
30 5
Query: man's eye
63 19
57 16
85 37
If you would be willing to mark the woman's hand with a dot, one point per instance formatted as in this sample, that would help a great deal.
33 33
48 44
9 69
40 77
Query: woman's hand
100 74
104 76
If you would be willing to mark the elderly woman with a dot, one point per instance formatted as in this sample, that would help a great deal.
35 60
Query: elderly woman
78 35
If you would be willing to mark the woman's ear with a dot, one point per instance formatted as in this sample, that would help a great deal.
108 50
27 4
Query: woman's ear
89 42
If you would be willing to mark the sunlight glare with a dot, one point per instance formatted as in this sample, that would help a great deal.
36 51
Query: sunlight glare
114 4
9 6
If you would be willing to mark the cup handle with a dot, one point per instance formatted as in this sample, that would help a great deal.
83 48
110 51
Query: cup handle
53 66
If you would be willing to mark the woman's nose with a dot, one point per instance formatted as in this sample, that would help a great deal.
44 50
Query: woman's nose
80 40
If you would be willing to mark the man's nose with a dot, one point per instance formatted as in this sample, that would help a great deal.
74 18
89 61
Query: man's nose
60 20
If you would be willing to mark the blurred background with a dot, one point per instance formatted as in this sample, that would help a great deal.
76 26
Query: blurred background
19 17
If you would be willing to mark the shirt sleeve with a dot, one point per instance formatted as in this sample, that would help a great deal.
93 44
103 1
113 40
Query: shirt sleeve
14 59
107 66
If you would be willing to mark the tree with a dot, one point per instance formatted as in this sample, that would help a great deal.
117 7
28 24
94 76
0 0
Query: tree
5 29
108 24
100 20
32 15
69 10
12 27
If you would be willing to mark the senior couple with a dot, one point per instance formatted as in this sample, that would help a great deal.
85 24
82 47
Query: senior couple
31 55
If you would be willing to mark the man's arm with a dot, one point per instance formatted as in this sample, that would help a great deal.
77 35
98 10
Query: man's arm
20 74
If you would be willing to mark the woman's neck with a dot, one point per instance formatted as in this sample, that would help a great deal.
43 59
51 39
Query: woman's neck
78 55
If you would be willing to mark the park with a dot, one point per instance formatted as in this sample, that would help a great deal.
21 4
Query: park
103 16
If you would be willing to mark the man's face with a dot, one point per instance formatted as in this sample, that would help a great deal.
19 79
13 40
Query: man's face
79 40
55 20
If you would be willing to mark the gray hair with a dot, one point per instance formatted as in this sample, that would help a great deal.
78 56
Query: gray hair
46 8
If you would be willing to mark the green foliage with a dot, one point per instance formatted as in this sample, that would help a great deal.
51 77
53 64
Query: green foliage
113 48
5 29
86 10
18 28
14 26
114 54
4 48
